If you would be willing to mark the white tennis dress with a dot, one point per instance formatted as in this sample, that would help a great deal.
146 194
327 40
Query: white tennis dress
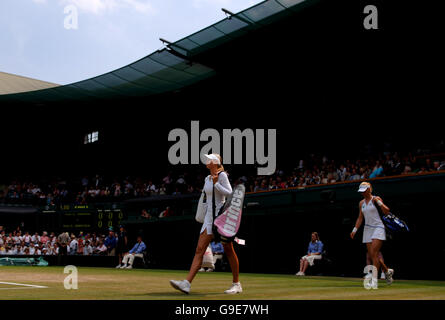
374 227
222 189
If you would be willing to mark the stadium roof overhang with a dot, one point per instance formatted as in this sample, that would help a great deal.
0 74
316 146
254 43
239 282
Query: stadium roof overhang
169 69
11 83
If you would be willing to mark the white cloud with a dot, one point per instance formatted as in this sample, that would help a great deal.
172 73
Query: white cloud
101 6
92 6
39 1
224 3
141 6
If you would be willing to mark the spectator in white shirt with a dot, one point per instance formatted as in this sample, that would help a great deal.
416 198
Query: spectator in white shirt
53 249
12 250
35 238
53 238
151 187
17 239
163 189
37 251
101 249
354 175
88 249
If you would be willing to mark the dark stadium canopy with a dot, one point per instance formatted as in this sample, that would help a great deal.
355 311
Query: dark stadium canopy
168 69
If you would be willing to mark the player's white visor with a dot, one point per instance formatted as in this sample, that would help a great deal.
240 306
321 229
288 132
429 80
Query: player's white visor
363 186
212 157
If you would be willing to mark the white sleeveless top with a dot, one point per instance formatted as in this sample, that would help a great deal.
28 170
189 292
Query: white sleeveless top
371 214
222 190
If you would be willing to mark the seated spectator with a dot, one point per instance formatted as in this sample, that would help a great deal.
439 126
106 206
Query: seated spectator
35 250
162 189
407 169
21 249
422 169
88 248
151 188
145 214
80 245
314 252
44 238
27 239
12 250
35 238
135 252
428 165
439 166
166 213
55 249
354 175
101 249
377 171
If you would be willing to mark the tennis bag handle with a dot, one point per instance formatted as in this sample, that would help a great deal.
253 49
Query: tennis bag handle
216 235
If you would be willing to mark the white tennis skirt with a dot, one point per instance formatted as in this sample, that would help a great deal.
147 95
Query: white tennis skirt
370 233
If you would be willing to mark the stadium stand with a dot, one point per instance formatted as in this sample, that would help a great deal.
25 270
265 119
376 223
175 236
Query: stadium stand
314 170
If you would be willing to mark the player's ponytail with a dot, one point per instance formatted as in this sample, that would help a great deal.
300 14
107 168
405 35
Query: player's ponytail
220 166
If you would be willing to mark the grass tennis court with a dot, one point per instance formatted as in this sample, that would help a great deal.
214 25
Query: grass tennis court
106 283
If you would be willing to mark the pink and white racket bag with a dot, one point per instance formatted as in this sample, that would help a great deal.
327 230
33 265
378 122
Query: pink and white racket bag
228 222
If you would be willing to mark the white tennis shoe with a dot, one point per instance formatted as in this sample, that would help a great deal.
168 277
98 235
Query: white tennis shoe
183 285
389 275
235 288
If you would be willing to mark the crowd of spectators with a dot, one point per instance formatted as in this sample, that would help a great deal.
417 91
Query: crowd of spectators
312 170
86 190
320 170
17 242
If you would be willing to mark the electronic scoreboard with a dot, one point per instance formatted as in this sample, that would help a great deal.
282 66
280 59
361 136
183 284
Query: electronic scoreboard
91 218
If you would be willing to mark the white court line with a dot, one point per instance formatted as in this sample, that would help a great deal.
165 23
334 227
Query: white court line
21 284
21 288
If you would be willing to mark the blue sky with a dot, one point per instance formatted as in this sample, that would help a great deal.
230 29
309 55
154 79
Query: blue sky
111 33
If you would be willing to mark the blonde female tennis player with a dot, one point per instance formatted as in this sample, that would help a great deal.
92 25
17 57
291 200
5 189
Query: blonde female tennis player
218 181
374 231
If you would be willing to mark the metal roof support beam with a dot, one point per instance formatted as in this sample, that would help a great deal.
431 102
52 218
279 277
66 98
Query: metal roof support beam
231 14
168 45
